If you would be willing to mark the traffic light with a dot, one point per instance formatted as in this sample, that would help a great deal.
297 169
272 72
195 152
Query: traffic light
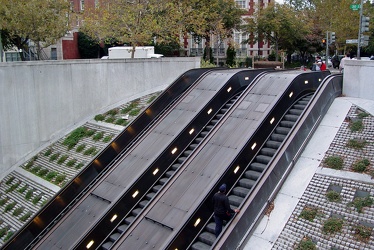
365 24
323 41
332 37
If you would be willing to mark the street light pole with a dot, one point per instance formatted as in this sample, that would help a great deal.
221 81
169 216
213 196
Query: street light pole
359 33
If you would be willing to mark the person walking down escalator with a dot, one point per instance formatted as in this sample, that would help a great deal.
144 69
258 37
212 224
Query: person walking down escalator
222 209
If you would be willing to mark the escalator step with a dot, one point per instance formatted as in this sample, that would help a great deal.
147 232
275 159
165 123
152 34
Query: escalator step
211 227
122 228
162 181
292 118
107 245
175 166
193 146
150 195
214 121
207 238
273 144
253 175
235 200
295 111
169 173
198 140
224 110
287 124
299 106
187 152
264 159
181 159
114 237
282 130
143 203
129 220
256 166
303 102
156 188
268 151
277 137
200 246
204 133
246 183
136 211
219 116
209 127
240 191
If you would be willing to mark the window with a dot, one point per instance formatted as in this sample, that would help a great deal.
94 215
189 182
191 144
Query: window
241 4
81 5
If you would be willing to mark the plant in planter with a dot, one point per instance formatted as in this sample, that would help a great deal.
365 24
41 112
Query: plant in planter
362 233
360 165
10 206
309 213
356 144
306 244
62 159
334 162
360 202
333 196
25 216
332 225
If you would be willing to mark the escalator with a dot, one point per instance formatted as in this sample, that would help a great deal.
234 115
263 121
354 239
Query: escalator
255 169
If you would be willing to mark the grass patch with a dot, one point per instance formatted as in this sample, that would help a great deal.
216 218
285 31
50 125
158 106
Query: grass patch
107 138
90 151
29 165
112 112
333 196
309 213
59 178
29 194
79 165
99 118
51 175
360 202
362 233
356 143
10 180
25 216
356 126
73 139
62 159
151 99
43 172
121 122
332 225
362 115
13 187
71 162
54 157
10 206
132 105
3 201
110 119
334 162
36 199
18 211
360 166
48 152
80 148
306 244
135 112
35 169
22 189
98 136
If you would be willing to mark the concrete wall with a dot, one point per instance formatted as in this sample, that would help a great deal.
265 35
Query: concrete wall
358 79
42 101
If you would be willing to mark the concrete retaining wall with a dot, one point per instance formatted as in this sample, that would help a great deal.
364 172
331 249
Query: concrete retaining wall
358 79
42 101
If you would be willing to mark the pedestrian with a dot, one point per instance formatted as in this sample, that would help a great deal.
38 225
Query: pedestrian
222 209
317 64
342 62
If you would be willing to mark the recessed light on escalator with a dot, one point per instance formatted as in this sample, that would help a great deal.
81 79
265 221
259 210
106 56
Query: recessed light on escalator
306 82
174 150
197 222
155 171
254 146
229 89
236 169
272 120
113 218
246 78
135 194
290 95
89 244
191 131
210 111
319 79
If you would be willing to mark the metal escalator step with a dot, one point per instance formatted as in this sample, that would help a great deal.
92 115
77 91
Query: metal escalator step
209 127
251 174
282 130
277 137
287 124
175 166
162 181
114 236
240 191
214 121
169 173
219 115
299 106
150 195
122 228
295 111
200 246
181 159
247 183
207 238
235 200
156 188
129 219
268 151
187 152
198 139
224 110
303 102
204 133
264 159
136 211
256 166
106 245
143 203
273 144
292 118
211 227
193 146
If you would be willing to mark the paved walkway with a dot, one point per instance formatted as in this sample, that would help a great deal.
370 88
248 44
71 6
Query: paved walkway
267 233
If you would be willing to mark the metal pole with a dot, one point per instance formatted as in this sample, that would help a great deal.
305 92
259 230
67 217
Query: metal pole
359 33
1 49
327 49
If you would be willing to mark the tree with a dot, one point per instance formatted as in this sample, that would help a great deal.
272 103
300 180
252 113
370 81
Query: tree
278 24
42 21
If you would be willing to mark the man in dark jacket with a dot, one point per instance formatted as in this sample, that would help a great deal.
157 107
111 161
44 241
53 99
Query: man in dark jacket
222 209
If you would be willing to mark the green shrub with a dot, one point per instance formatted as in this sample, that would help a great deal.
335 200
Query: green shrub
332 225
29 165
3 201
112 112
333 196
309 213
36 199
130 106
360 202
13 187
152 98
356 126
90 132
107 138
362 115
121 122
79 165
9 234
98 136
59 178
73 139
29 194
71 162
110 119
51 175
62 159
10 206
135 112
54 157
18 211
362 233
90 151
48 152
356 143
10 180
3 232
359 166
334 162
306 244
80 148
35 169
43 172
25 216
99 117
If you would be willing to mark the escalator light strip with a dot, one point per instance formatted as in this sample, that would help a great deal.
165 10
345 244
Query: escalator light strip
197 222
236 169
229 89
319 79
246 78
174 150
306 82
272 120
210 111
90 244
113 218
156 171
254 146
135 194
290 95
191 131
